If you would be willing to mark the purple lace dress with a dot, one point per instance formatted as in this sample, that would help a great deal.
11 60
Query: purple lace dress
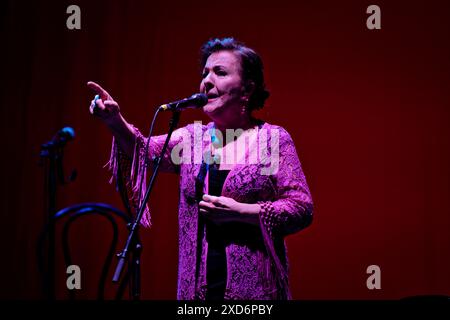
256 259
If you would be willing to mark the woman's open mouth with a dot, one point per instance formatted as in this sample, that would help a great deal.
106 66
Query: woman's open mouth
212 97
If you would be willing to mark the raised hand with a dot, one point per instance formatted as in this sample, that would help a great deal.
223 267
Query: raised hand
104 107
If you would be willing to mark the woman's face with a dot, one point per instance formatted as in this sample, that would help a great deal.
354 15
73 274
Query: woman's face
223 85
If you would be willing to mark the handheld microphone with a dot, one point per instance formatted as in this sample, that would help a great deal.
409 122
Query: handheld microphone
197 100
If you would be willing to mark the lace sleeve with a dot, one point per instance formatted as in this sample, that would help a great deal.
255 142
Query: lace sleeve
293 207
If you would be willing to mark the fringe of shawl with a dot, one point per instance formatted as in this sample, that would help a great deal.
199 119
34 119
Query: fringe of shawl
135 177
275 271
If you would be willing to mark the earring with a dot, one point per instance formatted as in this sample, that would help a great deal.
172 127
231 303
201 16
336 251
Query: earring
244 106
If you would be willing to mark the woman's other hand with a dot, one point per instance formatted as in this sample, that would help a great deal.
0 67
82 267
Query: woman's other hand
223 209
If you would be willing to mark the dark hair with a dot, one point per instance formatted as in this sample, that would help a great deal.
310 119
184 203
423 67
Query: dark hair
251 65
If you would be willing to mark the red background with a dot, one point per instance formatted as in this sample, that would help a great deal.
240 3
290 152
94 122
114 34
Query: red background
367 109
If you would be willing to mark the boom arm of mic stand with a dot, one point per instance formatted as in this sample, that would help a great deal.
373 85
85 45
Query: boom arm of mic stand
135 226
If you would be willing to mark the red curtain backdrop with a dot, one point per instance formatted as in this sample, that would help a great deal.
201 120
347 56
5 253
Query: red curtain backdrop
367 109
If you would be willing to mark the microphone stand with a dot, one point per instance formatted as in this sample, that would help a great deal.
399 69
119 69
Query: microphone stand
132 242
53 151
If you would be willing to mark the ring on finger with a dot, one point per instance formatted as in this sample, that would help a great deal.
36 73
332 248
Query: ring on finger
94 104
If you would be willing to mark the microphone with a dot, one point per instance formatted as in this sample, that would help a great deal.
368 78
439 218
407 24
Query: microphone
66 134
58 141
60 138
197 100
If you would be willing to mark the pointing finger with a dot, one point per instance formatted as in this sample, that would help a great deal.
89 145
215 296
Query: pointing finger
104 95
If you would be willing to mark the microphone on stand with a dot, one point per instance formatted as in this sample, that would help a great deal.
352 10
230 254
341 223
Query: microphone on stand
197 100
60 138
66 134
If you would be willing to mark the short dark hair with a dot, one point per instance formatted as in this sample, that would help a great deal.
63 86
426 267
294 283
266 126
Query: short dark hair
251 65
